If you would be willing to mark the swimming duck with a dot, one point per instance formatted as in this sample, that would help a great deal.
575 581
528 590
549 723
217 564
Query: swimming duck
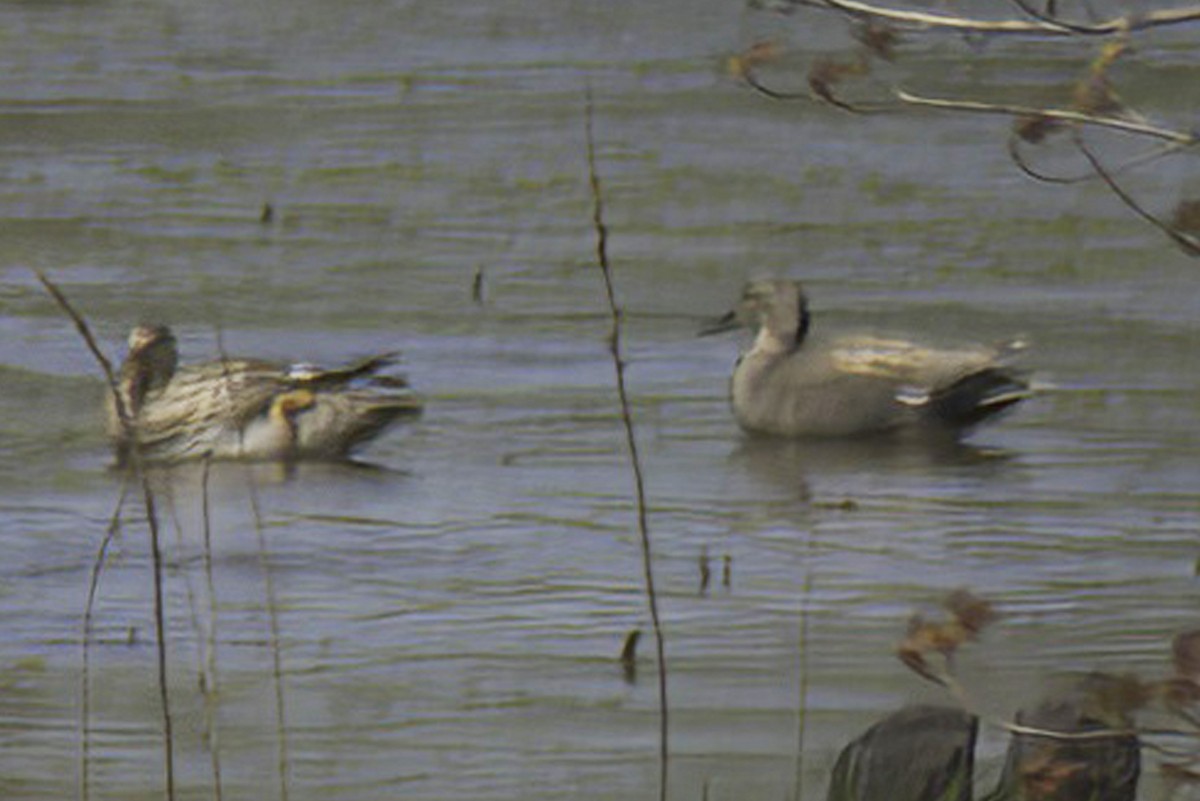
239 408
786 385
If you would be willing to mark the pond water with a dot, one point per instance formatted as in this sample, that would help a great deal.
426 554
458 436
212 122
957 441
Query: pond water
449 619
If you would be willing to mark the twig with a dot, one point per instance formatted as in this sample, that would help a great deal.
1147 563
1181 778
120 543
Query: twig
1190 245
123 413
211 683
1014 152
126 422
1062 115
1039 26
85 693
754 83
160 634
802 710
204 642
273 622
614 344
1074 27
1090 734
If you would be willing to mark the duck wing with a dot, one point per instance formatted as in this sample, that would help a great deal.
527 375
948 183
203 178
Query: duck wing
312 377
916 366
957 387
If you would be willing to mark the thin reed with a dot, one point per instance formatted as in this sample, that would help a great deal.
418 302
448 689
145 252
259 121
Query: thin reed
635 464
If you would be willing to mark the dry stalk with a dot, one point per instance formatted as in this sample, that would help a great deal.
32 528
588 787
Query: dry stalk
614 346
273 622
85 690
211 683
1061 115
126 422
1040 25
1189 244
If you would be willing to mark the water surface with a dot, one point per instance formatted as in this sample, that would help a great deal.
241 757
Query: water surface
449 621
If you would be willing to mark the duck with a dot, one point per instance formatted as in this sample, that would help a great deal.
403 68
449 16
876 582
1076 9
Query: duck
247 409
789 384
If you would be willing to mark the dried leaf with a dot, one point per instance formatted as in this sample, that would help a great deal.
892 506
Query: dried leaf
1179 774
914 659
756 55
629 655
1095 94
1186 219
826 73
1179 694
1113 698
941 637
1033 128
1109 53
879 39
1045 771
971 612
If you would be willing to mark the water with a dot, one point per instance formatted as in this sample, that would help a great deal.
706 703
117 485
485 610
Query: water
450 620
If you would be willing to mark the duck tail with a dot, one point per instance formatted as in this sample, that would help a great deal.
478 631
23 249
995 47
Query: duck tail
978 397
307 375
344 421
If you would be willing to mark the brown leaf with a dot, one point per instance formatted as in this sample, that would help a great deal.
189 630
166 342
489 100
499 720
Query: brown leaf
1179 774
1113 698
1033 128
1094 94
759 53
1186 219
942 638
1044 772
826 73
972 612
1179 694
915 661
879 39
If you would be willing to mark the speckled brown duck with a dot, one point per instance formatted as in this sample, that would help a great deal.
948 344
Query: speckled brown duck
238 408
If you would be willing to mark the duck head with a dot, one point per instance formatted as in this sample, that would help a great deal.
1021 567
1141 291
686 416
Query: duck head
777 309
150 364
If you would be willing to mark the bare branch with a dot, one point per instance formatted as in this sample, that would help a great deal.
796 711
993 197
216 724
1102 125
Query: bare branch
160 631
1190 244
1062 115
1050 18
1040 25
635 463
754 83
1090 734
85 694
1014 151
81 325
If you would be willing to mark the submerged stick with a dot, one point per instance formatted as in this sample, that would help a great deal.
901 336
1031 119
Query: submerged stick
1056 114
802 691
85 690
123 413
161 636
276 657
1189 244
211 683
1040 25
614 345
126 422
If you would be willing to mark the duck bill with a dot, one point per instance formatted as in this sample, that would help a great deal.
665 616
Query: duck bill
719 325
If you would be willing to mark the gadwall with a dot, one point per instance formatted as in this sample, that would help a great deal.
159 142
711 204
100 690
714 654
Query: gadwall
786 385
239 408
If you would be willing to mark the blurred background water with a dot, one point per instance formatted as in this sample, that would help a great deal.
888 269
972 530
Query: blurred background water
449 621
